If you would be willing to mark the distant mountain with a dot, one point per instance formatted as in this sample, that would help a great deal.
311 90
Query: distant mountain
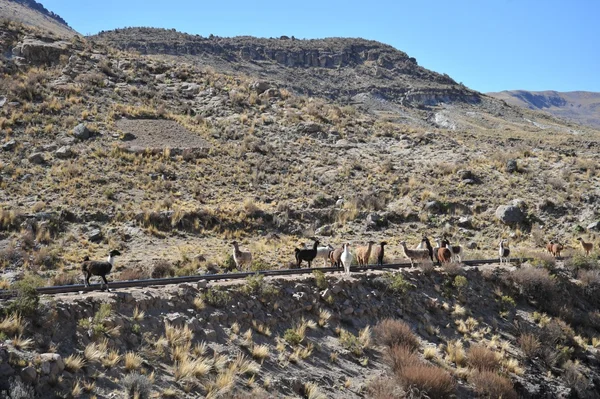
30 12
582 107
349 70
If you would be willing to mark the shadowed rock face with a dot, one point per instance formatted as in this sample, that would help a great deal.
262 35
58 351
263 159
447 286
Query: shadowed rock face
349 70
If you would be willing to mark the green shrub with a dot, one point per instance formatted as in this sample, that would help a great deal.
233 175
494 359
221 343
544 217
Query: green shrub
292 337
257 285
581 262
216 297
507 303
394 283
320 279
460 282
27 300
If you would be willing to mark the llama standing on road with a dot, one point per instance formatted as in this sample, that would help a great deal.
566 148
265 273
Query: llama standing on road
99 268
346 258
504 251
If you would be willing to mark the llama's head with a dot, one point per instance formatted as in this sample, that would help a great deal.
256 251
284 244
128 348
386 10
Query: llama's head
114 252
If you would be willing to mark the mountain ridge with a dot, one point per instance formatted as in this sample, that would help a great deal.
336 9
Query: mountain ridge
32 13
579 106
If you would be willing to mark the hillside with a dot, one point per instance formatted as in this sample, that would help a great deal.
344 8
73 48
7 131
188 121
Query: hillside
169 158
34 14
581 107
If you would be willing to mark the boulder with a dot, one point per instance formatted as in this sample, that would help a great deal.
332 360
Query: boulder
260 86
465 175
509 214
594 226
309 127
64 152
465 222
472 245
95 235
81 132
9 145
433 206
325 230
37 158
511 166
51 364
39 52
127 136
28 374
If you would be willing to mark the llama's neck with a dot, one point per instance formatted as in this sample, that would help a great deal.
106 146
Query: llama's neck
111 259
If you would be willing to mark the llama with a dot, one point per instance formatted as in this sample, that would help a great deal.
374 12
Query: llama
240 257
99 268
379 252
587 246
504 251
364 253
346 258
306 254
413 255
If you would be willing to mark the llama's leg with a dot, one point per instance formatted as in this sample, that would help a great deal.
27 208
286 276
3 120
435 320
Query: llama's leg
105 282
87 279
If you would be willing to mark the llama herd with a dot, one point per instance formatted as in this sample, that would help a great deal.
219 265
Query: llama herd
443 253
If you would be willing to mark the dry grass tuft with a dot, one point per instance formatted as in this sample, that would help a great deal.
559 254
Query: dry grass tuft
529 344
492 385
133 361
433 381
392 333
12 324
481 358
455 353
178 336
74 363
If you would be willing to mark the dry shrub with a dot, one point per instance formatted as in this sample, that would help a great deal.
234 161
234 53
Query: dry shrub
65 278
399 357
481 358
384 388
162 269
535 282
134 274
492 385
452 268
390 332
529 344
431 380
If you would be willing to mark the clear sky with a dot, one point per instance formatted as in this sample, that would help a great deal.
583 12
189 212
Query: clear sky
489 45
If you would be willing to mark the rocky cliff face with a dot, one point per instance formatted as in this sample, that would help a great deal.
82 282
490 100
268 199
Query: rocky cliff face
336 68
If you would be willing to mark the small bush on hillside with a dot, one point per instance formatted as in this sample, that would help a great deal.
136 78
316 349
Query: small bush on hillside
216 297
545 261
162 269
134 274
384 388
320 279
256 285
490 384
27 300
401 356
394 283
579 262
390 332
292 337
529 344
137 386
433 381
536 283
481 358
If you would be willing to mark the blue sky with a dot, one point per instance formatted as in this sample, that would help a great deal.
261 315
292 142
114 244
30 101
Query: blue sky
489 45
